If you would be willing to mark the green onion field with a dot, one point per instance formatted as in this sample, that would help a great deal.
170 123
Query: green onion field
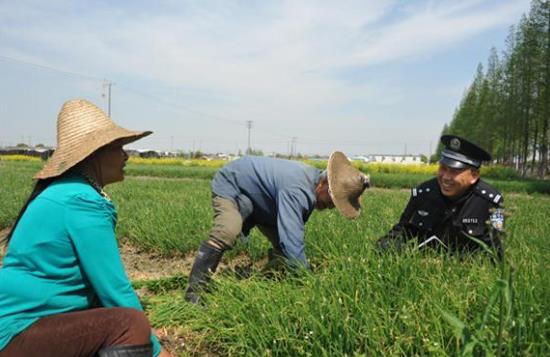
356 302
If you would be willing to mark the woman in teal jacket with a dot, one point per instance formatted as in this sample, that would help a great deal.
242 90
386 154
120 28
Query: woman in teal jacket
63 287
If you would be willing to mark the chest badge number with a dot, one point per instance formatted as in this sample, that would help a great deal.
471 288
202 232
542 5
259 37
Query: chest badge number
469 220
423 213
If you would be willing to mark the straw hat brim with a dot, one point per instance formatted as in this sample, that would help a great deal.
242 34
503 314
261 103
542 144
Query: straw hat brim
338 170
67 157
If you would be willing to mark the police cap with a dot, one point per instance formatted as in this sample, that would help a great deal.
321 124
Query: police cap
460 153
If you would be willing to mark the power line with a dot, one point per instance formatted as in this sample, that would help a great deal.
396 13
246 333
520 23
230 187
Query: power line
108 83
71 73
303 141
180 106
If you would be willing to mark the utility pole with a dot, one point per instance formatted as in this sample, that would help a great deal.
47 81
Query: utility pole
430 154
249 126
108 85
288 149
293 146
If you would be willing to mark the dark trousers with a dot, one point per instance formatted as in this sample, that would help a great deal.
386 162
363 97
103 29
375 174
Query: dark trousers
81 333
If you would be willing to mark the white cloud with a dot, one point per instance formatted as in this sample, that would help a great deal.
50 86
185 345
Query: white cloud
427 30
223 48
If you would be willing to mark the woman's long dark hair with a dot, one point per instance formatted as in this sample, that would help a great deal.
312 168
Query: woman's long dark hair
40 186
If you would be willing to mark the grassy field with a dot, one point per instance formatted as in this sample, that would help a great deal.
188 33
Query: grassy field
356 302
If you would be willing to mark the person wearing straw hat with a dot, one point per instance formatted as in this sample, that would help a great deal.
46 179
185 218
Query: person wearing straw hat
63 288
278 197
452 210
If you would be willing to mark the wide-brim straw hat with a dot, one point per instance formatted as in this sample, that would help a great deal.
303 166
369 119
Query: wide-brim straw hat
82 128
346 185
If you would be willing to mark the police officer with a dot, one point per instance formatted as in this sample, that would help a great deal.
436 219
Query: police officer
453 207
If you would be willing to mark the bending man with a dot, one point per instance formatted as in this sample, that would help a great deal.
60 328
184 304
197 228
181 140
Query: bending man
278 197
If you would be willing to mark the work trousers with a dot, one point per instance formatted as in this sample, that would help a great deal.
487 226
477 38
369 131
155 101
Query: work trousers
81 333
229 221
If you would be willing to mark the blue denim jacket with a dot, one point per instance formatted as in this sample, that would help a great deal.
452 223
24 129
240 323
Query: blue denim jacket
272 192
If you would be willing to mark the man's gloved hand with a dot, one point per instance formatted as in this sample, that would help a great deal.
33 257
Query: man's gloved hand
276 264
243 271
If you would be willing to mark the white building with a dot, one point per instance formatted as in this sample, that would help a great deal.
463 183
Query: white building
389 159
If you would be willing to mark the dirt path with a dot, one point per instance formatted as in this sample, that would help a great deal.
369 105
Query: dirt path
141 265
162 178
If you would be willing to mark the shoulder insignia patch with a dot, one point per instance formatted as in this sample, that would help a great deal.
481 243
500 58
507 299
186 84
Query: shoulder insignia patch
488 193
424 188
497 219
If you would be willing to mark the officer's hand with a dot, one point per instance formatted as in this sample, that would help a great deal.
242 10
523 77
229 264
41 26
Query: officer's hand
388 243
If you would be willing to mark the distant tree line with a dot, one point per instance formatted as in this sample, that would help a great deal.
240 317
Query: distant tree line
506 109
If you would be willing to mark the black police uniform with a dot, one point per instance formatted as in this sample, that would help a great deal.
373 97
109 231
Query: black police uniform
436 220
429 213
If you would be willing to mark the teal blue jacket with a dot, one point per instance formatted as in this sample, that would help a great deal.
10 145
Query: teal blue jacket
63 257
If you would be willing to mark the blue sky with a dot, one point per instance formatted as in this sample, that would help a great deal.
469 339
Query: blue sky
358 76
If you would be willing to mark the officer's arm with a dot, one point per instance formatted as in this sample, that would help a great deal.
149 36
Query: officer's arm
399 232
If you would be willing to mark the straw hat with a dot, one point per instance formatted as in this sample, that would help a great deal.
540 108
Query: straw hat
82 128
346 184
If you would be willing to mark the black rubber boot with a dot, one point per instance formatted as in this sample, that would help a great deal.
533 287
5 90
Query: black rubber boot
206 262
127 351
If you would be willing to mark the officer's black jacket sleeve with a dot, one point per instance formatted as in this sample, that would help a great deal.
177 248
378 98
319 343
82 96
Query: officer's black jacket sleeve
401 231
487 205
